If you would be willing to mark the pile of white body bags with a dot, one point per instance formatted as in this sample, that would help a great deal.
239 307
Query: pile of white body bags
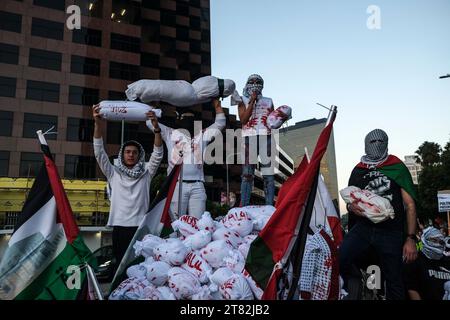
204 262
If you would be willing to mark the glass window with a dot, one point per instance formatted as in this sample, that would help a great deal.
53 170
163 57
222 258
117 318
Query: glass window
10 21
45 59
152 4
125 43
4 163
168 18
52 4
47 29
204 14
33 122
6 122
116 95
125 11
149 60
42 91
83 96
91 8
7 87
150 30
79 167
30 163
85 65
206 36
80 129
182 8
9 53
168 46
183 33
123 71
114 132
87 36
195 23
167 74
195 46
206 59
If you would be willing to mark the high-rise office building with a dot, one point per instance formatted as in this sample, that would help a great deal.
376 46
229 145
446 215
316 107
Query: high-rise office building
51 75
295 138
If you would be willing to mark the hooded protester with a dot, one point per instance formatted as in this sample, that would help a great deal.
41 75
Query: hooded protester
129 181
388 177
254 109
187 145
428 278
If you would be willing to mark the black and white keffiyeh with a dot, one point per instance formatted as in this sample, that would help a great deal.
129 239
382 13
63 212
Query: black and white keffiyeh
255 83
376 147
139 167
433 243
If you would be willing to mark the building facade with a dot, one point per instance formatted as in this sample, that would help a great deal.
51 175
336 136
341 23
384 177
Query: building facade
51 75
294 139
414 168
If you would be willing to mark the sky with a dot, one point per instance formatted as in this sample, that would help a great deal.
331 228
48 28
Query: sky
323 51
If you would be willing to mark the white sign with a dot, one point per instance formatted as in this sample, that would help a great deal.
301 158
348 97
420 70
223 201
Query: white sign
444 202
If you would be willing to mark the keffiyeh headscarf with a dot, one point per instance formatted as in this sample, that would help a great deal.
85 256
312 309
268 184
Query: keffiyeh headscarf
447 247
376 147
139 167
254 83
433 243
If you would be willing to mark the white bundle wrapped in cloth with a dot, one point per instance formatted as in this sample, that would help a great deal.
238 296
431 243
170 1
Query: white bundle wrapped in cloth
206 261
279 116
376 208
180 93
126 110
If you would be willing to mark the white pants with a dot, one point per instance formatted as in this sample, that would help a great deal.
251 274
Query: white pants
193 200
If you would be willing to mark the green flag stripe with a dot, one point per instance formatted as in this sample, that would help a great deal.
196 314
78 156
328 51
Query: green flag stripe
401 175
259 262
51 282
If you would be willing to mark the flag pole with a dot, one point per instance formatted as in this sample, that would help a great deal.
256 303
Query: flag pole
318 191
300 243
180 185
92 277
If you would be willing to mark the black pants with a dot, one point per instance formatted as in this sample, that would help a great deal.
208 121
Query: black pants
388 245
121 238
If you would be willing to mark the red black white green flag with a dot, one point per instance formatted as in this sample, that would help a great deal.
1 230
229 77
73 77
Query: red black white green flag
270 251
46 257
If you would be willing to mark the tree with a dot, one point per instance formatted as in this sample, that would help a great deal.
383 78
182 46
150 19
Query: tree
435 176
429 154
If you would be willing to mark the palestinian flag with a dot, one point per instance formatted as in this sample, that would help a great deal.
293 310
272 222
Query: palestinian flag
46 257
271 250
324 211
157 221
395 169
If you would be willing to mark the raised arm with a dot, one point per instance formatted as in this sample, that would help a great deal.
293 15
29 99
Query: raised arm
99 150
157 154
218 125
165 131
245 112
